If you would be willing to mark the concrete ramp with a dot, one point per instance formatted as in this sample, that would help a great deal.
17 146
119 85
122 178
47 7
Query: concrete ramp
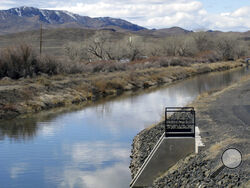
176 143
165 154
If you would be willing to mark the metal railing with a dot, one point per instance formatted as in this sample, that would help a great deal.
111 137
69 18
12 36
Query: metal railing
179 122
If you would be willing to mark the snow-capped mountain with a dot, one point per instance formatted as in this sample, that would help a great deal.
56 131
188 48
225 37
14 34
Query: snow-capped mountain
27 18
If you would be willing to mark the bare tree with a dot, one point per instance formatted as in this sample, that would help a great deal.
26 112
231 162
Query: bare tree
242 49
227 47
103 46
76 51
179 46
95 45
170 46
134 47
203 41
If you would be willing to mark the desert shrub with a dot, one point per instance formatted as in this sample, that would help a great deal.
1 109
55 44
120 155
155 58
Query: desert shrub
3 69
116 84
47 65
22 61
164 62
105 66
18 62
177 61
204 69
209 56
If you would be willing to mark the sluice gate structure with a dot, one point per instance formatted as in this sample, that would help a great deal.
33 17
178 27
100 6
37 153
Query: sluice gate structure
177 142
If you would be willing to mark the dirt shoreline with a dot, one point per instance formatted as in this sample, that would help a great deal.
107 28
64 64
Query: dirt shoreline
223 118
25 96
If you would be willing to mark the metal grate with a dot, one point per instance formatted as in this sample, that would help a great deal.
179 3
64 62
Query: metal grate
179 122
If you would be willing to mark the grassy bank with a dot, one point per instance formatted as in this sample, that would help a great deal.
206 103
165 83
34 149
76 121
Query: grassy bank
43 92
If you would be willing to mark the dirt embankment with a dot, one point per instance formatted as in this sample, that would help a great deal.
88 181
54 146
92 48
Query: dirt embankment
223 118
43 92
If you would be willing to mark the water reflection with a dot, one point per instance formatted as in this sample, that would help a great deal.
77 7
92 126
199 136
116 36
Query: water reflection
90 147
18 130
114 176
17 169
92 155
97 164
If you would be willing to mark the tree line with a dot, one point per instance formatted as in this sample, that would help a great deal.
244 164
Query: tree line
211 46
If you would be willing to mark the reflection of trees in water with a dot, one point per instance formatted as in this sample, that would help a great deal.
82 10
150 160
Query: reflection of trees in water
104 109
218 80
23 129
18 129
26 128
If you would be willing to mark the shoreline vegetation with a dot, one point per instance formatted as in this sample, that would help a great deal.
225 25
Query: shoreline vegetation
107 63
43 92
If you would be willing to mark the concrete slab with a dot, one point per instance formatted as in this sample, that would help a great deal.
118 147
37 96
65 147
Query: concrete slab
166 153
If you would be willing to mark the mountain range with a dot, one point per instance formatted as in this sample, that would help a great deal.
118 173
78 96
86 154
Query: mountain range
29 18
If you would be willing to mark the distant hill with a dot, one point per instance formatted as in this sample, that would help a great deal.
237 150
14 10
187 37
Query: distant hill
29 18
164 32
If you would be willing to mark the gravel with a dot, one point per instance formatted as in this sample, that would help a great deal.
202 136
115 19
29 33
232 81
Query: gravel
196 172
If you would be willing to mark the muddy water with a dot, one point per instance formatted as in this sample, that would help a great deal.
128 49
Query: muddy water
90 147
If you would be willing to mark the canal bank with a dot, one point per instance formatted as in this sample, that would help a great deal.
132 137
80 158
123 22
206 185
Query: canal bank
223 118
25 96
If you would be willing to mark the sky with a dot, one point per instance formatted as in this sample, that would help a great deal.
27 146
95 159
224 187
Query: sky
224 15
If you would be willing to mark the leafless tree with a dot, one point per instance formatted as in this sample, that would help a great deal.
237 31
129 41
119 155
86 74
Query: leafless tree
227 47
203 41
179 46
76 51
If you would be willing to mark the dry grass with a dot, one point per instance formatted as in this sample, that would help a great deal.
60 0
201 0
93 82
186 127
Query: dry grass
245 78
216 148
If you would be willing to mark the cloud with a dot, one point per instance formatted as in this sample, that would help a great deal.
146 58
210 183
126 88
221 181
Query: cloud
237 20
241 12
17 169
97 153
85 155
5 4
112 176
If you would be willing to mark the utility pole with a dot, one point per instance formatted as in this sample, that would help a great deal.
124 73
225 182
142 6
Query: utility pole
41 38
130 39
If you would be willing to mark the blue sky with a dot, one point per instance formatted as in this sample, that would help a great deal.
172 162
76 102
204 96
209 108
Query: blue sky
225 15
217 6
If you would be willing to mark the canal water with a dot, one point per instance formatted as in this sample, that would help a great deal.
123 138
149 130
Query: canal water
90 147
